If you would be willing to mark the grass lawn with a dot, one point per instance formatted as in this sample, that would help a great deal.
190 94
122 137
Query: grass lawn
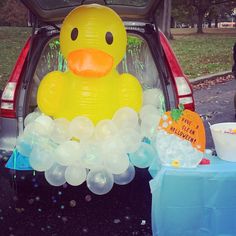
198 54
12 40
204 54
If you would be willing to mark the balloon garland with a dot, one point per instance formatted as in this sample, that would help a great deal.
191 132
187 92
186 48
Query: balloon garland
78 151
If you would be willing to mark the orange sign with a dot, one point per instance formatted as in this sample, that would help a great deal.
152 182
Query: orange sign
186 124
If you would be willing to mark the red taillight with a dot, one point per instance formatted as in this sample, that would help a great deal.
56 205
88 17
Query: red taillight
9 95
182 86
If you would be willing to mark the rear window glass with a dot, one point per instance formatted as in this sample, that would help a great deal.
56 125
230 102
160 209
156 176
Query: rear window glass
50 4
137 61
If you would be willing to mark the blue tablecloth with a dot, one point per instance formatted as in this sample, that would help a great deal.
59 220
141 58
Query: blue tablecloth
194 202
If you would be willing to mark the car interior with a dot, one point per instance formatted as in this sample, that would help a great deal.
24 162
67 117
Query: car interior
138 61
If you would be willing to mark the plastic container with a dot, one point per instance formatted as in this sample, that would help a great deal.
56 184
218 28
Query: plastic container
225 143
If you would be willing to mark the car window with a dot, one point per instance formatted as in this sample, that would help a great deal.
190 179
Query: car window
138 61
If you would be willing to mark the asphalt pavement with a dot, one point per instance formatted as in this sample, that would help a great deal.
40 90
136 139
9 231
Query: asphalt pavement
29 206
215 103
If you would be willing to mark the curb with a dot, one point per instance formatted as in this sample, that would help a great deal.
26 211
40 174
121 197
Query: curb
209 77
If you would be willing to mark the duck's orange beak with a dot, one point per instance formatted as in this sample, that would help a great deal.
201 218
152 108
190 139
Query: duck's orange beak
90 62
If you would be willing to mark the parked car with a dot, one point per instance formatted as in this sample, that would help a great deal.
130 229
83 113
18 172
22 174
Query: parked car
149 57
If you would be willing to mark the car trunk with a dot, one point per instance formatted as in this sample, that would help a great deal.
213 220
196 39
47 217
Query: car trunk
140 51
139 20
138 17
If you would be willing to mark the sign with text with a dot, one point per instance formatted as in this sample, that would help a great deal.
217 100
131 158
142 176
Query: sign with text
185 124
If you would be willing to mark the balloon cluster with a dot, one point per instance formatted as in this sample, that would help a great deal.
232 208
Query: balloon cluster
78 151
177 152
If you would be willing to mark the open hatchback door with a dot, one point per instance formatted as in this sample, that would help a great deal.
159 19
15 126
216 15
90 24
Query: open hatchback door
48 11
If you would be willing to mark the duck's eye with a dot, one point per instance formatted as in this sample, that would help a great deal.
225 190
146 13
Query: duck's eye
74 34
109 38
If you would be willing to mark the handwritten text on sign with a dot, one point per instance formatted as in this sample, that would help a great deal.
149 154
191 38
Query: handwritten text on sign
189 127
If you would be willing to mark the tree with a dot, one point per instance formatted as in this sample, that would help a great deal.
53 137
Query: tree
167 18
2 3
204 9
163 17
13 12
220 12
201 6
183 12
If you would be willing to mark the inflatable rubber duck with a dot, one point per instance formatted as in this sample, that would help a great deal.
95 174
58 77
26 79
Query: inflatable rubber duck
93 40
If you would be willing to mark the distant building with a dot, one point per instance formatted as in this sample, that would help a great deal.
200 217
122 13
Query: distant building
227 24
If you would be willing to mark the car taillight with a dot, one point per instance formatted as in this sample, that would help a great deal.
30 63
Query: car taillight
182 86
183 89
9 95
184 93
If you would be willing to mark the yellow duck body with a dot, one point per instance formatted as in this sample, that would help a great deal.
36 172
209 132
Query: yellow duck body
67 95
91 87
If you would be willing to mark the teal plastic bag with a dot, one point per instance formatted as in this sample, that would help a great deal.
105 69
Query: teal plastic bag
18 162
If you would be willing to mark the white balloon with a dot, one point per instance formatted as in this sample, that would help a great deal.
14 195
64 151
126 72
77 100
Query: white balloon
125 177
75 175
149 125
35 129
131 139
25 143
93 155
81 128
148 110
100 181
105 129
46 123
60 132
23 147
116 162
31 117
126 117
114 144
41 159
41 126
153 96
56 175
68 153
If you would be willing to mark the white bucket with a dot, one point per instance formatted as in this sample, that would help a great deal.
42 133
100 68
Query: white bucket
225 143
